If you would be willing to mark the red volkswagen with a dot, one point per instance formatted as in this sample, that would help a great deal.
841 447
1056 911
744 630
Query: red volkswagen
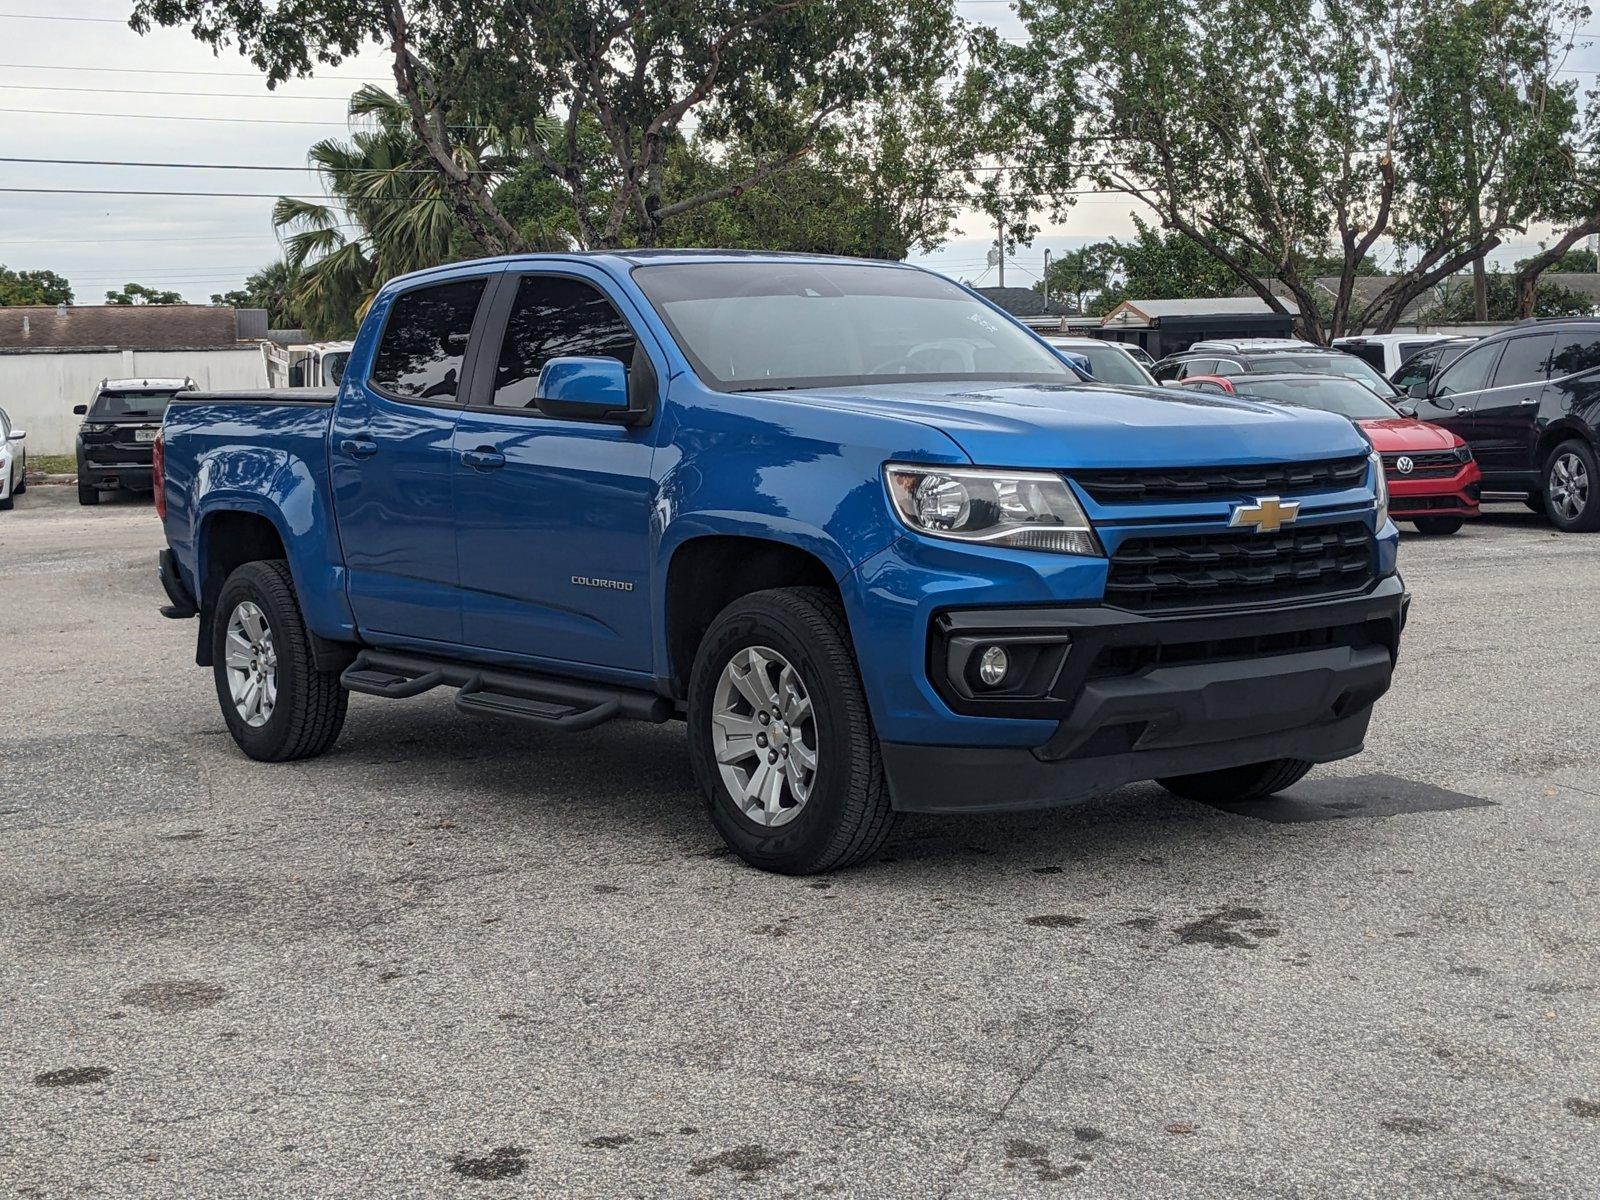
1433 480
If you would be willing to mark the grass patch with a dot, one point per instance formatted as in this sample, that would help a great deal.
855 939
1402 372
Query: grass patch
53 464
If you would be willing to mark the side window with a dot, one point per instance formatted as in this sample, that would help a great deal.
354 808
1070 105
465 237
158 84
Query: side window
1166 372
1406 350
554 316
1197 366
1470 372
1226 366
1574 352
1526 360
425 341
1416 369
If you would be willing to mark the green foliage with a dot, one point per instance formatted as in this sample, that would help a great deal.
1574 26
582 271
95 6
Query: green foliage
771 83
138 293
1278 133
33 287
1550 300
1572 262
272 288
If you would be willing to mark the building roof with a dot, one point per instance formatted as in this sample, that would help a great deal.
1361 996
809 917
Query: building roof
1018 301
117 327
1149 312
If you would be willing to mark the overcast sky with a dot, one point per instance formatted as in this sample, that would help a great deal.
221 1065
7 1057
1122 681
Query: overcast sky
74 81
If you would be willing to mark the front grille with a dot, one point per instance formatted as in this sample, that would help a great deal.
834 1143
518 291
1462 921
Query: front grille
1440 465
1215 570
1223 483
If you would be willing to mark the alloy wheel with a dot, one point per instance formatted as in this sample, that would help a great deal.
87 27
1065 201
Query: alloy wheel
1569 485
252 664
764 736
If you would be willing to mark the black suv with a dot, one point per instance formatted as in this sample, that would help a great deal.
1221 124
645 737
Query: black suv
1527 400
119 429
1269 357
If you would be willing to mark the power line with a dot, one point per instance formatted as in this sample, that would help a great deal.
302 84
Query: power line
112 162
52 17
165 71
220 195
35 87
56 112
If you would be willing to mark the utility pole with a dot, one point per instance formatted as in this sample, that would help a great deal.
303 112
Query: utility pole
1047 280
1000 245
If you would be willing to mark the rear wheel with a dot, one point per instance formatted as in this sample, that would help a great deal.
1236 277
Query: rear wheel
278 706
1572 488
780 736
1439 526
1253 782
88 495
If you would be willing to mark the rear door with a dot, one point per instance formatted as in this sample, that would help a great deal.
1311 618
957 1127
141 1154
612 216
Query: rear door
1505 418
391 461
553 513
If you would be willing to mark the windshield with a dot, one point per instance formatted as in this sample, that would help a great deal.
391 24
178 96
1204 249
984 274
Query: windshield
765 326
1108 364
1337 363
1331 394
113 406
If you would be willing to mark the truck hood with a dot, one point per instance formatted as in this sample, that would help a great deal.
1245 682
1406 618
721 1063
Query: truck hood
1093 425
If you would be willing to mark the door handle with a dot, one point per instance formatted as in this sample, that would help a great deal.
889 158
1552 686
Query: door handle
1529 403
484 458
1463 412
358 447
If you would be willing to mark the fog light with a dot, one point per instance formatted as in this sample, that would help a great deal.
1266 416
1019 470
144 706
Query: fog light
993 665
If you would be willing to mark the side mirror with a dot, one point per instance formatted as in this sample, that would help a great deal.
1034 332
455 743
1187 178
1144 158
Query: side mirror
80 410
17 435
1406 410
584 389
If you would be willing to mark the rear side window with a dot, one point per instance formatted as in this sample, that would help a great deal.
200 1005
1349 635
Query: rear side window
1526 360
553 317
1574 352
1197 366
1470 372
425 341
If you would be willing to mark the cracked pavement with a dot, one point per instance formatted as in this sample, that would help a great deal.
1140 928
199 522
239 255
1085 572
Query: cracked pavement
465 957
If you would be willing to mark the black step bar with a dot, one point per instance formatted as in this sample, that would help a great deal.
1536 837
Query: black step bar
563 704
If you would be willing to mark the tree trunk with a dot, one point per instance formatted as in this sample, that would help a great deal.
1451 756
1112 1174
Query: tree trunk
1526 284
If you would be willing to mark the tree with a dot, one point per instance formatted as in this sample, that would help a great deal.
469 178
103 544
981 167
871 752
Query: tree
1078 276
1503 302
271 288
33 287
138 293
1277 134
773 76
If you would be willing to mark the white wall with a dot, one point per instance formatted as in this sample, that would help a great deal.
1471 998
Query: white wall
39 390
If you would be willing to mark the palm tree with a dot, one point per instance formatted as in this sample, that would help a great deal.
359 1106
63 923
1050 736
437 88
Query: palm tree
389 212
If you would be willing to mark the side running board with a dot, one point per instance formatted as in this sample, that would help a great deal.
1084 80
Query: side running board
492 691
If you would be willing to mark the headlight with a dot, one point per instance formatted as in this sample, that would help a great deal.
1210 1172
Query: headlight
1464 453
1381 487
1030 510
97 428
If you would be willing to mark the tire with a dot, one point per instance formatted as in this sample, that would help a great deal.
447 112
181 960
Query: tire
1439 526
302 717
7 503
1572 488
1255 781
22 482
89 495
844 815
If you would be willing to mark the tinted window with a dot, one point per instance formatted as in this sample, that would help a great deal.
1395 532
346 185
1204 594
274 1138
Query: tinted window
1407 349
115 406
1417 369
1470 372
1525 360
1575 352
425 341
1197 366
1165 371
553 317
1369 352
1226 366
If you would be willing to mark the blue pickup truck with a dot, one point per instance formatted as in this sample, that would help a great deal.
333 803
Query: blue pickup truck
876 544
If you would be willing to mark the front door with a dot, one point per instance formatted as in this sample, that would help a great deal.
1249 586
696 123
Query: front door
392 464
1454 393
1505 419
553 514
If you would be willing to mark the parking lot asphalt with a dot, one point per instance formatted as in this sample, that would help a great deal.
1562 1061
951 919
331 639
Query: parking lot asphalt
462 957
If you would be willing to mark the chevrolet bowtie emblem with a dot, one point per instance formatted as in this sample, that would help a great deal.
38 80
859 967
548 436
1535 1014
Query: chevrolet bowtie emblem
1267 515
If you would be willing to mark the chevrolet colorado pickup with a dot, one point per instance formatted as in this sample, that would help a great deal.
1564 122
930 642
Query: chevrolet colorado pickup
878 546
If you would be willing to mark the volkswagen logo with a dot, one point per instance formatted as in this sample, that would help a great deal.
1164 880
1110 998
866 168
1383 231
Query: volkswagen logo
1403 464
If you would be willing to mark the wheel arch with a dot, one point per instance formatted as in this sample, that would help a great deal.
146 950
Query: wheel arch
1568 429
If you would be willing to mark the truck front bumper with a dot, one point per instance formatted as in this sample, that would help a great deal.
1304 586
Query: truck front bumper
1134 697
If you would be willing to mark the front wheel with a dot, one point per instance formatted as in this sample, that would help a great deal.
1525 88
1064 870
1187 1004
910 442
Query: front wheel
780 736
1439 526
1256 781
276 703
88 495
1572 488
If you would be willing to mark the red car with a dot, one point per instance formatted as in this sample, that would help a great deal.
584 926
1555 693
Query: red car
1433 480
